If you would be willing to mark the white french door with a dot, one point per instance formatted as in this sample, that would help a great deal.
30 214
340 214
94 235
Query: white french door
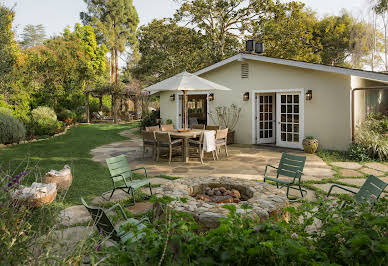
265 118
290 119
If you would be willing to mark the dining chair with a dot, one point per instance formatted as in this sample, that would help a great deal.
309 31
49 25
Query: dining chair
198 145
149 140
213 127
169 127
198 126
163 141
154 128
221 140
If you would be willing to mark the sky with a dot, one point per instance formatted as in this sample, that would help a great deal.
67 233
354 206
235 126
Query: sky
55 15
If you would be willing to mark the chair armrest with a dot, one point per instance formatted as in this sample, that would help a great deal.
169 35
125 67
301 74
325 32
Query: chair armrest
338 186
141 168
143 220
266 168
121 210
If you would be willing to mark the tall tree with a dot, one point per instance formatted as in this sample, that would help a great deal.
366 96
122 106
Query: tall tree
290 33
222 19
33 35
381 9
116 21
168 49
8 47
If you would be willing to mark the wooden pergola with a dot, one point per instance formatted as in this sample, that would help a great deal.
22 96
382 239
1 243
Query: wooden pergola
125 92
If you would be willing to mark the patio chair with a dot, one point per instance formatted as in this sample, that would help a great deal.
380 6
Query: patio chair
122 174
163 141
105 226
103 117
198 145
369 192
169 127
221 140
213 127
154 128
149 140
198 126
291 167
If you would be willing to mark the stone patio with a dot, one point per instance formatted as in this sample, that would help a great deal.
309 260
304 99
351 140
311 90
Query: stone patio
244 161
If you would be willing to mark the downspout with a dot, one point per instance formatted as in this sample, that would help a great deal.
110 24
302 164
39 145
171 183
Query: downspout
353 112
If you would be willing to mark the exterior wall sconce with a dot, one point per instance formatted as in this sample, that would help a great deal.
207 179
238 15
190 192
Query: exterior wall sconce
211 97
246 96
172 97
309 95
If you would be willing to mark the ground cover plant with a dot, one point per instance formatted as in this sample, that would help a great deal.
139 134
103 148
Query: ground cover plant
90 178
356 235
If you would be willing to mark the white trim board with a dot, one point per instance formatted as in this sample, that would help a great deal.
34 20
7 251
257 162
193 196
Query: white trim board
253 97
339 70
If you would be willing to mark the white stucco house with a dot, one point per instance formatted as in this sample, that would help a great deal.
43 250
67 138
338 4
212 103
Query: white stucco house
284 101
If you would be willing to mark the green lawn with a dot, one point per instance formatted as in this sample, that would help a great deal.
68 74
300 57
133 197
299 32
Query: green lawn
89 178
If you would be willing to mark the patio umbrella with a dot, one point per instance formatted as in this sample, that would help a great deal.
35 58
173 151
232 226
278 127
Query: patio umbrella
185 82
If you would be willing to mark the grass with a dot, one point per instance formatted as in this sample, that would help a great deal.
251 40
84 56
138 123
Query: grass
90 178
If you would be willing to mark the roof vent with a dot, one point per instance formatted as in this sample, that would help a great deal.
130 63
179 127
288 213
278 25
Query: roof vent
252 46
244 70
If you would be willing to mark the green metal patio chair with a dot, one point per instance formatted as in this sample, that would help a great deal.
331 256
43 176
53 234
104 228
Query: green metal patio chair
369 192
121 173
290 167
105 226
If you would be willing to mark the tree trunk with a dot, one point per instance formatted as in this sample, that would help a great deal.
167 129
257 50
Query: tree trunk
117 81
112 76
87 107
100 99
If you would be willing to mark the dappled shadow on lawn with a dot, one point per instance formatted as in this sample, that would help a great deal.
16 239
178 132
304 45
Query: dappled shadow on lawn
89 178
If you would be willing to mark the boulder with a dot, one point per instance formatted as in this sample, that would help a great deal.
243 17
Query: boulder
62 179
36 195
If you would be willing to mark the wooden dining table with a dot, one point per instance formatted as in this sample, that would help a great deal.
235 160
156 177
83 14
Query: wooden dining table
185 136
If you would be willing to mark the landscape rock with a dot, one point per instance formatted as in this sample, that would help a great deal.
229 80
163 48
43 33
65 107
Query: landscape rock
62 178
36 195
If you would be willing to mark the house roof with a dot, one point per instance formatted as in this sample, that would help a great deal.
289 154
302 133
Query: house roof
383 77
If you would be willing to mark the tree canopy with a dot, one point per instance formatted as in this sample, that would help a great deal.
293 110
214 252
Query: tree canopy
33 35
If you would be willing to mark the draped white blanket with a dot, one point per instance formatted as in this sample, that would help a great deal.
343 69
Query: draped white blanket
209 140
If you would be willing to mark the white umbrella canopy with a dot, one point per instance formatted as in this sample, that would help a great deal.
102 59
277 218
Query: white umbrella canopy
185 82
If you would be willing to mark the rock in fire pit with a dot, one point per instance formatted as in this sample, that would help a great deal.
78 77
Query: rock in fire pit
206 196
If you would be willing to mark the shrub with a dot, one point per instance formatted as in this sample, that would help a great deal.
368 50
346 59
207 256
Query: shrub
358 153
6 111
371 137
44 121
354 235
150 119
67 116
11 129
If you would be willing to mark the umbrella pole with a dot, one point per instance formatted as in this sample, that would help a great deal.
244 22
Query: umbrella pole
185 109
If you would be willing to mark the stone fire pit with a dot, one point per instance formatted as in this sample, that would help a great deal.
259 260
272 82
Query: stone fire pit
266 200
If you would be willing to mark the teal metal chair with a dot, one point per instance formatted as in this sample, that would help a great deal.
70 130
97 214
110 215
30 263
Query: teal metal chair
122 177
291 168
105 226
369 192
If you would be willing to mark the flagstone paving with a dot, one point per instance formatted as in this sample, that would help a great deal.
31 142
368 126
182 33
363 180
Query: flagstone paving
370 171
347 165
378 166
349 172
244 161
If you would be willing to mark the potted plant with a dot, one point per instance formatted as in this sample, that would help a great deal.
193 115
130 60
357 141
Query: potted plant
226 117
310 144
